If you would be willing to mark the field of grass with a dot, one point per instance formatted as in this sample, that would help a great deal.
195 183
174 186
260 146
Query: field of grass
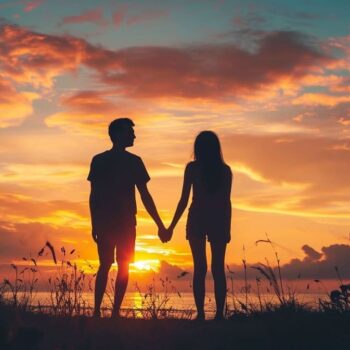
66 323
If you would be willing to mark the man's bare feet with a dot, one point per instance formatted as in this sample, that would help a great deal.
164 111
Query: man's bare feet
200 317
115 314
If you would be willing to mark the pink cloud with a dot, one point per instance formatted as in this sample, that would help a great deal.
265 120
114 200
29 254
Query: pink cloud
89 16
120 15
32 5
123 15
147 16
207 71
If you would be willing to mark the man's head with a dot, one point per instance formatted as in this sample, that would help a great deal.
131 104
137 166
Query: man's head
121 132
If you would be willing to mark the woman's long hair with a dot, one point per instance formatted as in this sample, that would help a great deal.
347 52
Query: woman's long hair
207 152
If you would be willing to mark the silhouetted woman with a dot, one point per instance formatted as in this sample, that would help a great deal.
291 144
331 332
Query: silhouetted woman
209 216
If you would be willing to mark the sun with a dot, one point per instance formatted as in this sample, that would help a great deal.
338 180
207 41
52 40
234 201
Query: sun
146 265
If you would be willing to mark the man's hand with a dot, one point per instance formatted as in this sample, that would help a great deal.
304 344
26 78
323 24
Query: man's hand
165 234
162 233
94 235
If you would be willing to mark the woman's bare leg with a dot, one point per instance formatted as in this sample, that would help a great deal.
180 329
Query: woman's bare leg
218 250
200 270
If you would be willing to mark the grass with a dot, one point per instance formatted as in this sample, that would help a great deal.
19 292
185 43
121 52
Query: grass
68 285
285 323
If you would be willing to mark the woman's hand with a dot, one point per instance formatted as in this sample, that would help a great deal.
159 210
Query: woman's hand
165 234
162 233
169 234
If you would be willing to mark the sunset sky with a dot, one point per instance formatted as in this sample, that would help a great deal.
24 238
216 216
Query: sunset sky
271 78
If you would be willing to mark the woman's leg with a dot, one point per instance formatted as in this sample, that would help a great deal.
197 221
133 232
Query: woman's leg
218 250
200 270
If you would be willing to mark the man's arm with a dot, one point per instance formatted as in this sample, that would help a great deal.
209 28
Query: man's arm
148 202
93 206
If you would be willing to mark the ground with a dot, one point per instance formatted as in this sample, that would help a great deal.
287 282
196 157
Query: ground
277 330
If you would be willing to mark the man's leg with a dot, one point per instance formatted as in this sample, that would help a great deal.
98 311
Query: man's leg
105 248
121 284
125 255
100 286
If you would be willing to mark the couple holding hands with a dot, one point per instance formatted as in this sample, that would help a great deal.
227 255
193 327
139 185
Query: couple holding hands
114 175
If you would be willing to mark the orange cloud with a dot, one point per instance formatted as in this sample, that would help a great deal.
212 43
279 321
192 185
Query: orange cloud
15 106
24 209
88 101
46 174
86 111
318 99
304 176
89 112
27 223
344 121
301 116
32 58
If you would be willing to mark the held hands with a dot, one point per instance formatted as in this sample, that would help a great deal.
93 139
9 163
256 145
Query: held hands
165 234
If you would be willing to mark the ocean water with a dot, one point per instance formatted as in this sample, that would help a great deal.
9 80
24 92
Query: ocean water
175 304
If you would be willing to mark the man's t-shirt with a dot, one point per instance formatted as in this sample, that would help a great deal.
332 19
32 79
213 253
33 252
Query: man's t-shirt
114 175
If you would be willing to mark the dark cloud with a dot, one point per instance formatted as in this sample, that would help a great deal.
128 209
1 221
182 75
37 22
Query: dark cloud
22 240
30 236
210 71
321 265
311 253
173 272
315 265
26 224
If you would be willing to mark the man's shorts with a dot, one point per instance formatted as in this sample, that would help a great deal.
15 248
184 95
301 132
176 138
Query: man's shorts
123 241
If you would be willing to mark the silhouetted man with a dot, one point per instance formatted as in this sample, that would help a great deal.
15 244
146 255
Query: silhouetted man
113 176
